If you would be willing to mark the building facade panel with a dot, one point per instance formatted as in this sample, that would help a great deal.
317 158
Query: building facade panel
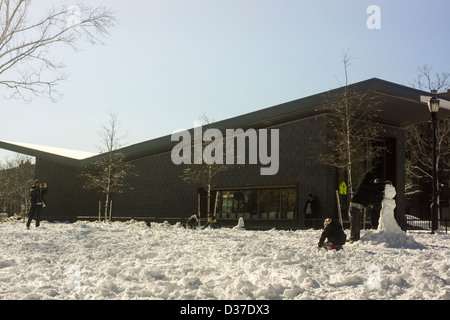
157 190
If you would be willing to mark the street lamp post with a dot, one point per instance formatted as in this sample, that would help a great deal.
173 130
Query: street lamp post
433 106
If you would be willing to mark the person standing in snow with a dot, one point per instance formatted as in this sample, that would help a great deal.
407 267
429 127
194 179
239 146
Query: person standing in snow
310 210
364 196
37 201
334 233
375 206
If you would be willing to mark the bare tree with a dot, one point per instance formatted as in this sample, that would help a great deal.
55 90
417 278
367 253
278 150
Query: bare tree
351 125
110 135
202 172
419 163
426 82
16 178
107 175
26 67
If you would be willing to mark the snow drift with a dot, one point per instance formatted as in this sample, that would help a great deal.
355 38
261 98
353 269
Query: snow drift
87 260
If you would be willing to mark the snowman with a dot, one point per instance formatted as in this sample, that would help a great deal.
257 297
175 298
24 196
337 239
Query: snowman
387 222
389 232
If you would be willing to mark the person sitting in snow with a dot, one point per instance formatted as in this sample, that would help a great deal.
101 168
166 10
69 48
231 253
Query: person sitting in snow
334 233
212 222
192 222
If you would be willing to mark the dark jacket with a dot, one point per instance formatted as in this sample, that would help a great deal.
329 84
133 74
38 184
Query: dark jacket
366 193
192 222
37 195
212 222
314 207
334 233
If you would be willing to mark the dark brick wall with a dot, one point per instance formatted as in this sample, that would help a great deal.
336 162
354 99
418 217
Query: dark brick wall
297 164
158 190
65 197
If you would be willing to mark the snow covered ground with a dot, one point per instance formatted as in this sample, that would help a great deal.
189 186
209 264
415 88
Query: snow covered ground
88 260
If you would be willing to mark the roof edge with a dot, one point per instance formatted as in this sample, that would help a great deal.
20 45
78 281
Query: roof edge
60 155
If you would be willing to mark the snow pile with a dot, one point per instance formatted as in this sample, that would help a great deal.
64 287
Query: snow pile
241 224
389 232
164 224
12 218
91 260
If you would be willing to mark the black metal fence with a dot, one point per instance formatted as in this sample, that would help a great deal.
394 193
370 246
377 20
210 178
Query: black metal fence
413 223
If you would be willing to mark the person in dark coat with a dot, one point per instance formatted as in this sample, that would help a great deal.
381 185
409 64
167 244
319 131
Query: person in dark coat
37 201
334 233
310 210
375 206
365 195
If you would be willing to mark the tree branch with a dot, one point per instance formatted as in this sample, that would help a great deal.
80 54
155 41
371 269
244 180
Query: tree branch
24 47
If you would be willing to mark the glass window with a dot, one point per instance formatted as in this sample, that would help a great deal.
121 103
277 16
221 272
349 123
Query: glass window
234 204
269 203
250 209
225 205
288 203
257 203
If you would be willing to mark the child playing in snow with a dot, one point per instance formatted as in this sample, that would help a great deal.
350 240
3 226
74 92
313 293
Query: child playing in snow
192 222
334 234
212 222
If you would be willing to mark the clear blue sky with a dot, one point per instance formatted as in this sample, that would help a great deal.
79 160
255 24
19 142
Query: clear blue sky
169 61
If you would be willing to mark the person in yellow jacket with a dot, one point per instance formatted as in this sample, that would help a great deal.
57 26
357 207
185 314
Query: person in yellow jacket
212 222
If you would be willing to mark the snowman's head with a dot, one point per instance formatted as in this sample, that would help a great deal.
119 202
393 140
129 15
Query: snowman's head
389 191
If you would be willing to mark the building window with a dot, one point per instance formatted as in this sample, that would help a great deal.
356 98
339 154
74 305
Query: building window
264 203
288 203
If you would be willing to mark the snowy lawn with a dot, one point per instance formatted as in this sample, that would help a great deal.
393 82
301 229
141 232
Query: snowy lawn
87 260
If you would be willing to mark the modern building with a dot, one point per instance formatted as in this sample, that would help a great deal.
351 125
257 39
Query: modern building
264 201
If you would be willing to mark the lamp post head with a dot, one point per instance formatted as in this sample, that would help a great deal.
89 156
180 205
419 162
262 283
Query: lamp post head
433 104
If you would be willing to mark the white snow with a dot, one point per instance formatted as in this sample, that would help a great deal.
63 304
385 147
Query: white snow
129 260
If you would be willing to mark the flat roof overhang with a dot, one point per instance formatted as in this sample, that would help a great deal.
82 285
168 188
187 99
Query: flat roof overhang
399 106
60 155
